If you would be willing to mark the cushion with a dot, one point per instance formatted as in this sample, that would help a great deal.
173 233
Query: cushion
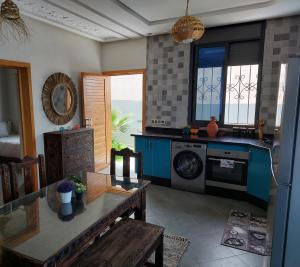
9 127
4 131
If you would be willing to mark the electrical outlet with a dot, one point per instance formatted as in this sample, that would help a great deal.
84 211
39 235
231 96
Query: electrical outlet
159 122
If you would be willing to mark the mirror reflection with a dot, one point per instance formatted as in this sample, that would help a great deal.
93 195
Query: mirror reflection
62 99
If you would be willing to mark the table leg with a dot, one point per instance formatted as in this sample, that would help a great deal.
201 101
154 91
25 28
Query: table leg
159 253
140 212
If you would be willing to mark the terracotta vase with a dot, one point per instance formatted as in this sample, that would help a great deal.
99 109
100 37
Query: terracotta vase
212 127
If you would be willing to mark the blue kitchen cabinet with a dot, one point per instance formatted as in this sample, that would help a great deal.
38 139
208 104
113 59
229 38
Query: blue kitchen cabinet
259 173
156 156
259 168
142 145
161 152
224 146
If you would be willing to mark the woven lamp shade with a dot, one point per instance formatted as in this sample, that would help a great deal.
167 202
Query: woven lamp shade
9 10
12 26
187 29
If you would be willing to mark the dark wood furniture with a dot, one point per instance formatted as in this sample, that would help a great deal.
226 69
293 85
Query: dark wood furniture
5 160
104 201
27 166
128 243
126 153
68 153
5 178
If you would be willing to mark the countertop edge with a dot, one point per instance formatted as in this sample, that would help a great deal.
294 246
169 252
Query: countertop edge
227 140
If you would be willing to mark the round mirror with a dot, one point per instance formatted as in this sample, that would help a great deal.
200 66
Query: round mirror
59 98
62 99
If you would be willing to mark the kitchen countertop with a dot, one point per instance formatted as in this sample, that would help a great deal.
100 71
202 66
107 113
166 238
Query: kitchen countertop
272 149
204 139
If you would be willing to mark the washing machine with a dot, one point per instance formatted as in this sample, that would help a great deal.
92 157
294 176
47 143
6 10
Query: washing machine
188 166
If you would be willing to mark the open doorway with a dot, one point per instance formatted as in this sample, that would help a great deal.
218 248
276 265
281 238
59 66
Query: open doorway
127 108
10 117
17 137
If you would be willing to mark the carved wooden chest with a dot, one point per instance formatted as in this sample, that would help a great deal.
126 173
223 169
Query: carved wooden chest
68 153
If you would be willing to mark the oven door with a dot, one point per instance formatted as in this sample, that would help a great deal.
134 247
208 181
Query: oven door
235 173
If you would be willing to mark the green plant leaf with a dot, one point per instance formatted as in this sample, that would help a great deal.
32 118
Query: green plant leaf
120 124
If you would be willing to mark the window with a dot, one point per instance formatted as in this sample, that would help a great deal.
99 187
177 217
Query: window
281 91
209 83
241 92
226 82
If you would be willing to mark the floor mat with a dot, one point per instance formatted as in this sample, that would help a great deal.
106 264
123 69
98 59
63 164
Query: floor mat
248 232
174 248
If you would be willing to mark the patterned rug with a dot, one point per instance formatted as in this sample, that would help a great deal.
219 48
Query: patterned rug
246 232
174 249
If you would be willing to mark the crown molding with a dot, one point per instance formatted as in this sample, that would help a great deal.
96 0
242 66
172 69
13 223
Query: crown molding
202 15
78 2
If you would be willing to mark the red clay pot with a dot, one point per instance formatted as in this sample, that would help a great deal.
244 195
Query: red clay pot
212 127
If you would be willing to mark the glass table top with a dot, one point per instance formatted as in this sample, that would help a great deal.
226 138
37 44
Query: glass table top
38 225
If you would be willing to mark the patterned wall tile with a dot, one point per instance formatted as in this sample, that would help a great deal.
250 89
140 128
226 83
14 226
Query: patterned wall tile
168 81
168 66
282 40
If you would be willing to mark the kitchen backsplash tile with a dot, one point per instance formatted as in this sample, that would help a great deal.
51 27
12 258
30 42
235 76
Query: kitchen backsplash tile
168 65
282 40
168 81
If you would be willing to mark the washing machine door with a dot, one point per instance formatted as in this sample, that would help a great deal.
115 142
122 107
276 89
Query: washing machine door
188 165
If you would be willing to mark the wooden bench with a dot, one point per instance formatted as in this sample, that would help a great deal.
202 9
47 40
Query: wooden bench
129 243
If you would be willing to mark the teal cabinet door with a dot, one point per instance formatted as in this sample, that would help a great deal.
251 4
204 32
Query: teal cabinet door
259 173
234 147
161 152
142 144
156 156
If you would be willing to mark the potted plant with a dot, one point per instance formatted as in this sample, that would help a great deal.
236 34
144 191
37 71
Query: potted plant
76 179
79 190
65 190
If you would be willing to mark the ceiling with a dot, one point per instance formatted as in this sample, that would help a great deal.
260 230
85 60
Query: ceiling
112 20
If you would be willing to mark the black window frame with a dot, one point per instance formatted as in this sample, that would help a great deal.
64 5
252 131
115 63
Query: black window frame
195 46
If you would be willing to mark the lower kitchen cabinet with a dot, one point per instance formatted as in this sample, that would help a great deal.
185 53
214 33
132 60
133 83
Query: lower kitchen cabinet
156 156
157 162
259 173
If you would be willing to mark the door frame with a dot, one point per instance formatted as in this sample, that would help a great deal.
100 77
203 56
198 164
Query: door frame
26 107
144 96
26 104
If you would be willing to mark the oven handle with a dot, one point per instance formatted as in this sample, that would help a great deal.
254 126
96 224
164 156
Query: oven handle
240 162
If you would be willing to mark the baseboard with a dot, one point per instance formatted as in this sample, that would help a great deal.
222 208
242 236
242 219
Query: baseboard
258 202
228 193
158 181
238 195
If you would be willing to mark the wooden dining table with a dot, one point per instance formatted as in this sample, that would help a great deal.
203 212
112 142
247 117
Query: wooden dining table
37 230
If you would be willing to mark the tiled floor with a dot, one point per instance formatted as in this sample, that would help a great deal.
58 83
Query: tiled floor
200 218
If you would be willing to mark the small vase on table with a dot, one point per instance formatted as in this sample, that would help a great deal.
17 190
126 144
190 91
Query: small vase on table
65 190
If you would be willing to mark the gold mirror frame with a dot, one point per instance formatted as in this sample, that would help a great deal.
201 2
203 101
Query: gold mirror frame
50 85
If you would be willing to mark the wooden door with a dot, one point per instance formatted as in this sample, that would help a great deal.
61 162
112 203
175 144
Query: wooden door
96 107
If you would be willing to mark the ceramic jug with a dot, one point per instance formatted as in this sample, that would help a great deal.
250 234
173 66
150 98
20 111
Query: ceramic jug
212 127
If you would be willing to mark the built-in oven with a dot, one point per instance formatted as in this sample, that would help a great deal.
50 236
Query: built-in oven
227 169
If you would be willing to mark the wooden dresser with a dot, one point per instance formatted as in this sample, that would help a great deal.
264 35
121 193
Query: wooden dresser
68 153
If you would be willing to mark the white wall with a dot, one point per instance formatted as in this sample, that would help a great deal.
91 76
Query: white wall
124 55
9 98
51 50
2 107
